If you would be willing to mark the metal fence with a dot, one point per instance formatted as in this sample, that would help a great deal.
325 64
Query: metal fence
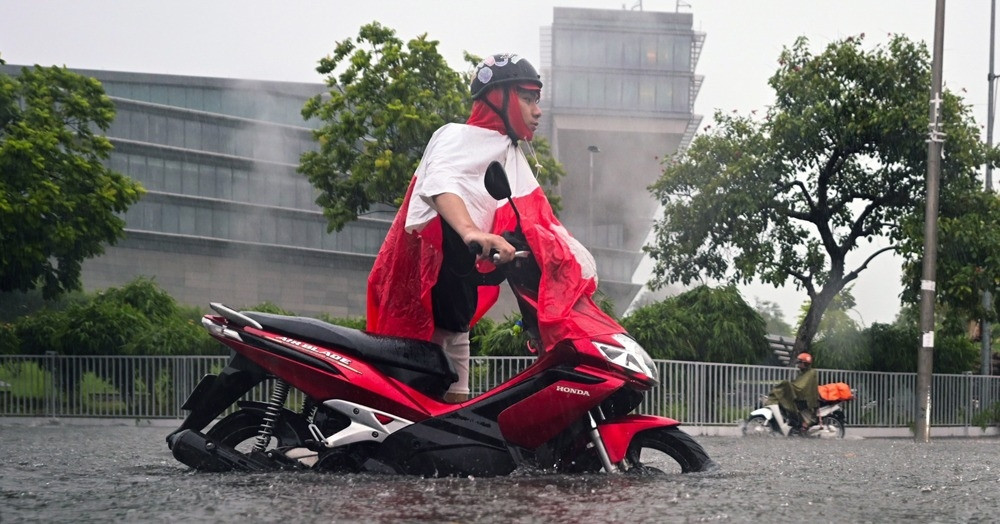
695 393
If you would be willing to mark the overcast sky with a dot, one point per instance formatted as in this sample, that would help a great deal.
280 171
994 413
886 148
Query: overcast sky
270 40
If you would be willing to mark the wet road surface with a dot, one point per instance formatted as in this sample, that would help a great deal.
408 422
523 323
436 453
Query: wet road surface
54 472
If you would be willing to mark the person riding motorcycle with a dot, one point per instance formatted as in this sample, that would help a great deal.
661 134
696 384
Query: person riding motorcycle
423 284
800 397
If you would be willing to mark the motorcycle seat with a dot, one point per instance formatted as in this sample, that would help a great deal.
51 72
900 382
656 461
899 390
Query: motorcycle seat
418 364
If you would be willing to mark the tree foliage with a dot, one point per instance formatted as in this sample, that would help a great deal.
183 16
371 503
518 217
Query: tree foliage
384 103
968 254
838 160
702 325
58 203
138 318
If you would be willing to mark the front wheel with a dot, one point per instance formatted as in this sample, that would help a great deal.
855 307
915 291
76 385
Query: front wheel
757 426
663 450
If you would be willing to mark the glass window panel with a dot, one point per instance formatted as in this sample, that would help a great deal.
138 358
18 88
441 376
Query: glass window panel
682 54
578 91
220 223
561 93
612 51
158 94
578 51
176 96
210 137
203 221
175 132
681 96
157 129
666 53
195 98
647 92
154 175
595 88
152 216
630 92
240 187
172 176
630 51
206 180
224 182
664 94
649 51
137 167
140 92
213 101
170 221
561 46
268 229
192 134
613 91
187 221
189 178
119 162
139 126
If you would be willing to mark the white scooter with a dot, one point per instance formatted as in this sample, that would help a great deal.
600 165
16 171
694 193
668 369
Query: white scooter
769 419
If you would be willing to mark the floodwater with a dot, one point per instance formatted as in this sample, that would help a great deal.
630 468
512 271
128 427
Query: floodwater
57 472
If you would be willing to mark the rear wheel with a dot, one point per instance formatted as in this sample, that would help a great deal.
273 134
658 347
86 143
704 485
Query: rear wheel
240 429
665 450
834 427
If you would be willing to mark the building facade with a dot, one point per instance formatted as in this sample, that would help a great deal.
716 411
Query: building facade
620 87
226 217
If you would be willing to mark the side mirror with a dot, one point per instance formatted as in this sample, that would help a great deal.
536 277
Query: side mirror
496 182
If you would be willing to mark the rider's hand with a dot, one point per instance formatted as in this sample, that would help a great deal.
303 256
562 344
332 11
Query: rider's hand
489 243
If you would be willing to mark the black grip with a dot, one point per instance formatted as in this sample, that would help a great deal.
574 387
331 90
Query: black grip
475 248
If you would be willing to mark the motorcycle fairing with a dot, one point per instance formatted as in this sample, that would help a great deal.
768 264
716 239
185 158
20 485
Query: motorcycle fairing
762 412
470 440
562 401
617 434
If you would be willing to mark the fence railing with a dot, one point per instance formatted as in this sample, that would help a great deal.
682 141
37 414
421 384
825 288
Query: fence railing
693 392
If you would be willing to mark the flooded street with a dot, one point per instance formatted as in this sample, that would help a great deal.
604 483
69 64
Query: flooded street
54 472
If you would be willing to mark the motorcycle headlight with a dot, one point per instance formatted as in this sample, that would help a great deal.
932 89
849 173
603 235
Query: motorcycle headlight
628 354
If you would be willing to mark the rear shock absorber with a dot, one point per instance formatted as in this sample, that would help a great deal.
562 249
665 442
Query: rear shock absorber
271 413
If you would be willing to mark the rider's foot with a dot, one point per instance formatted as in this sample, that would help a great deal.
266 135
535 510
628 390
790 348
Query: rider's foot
455 398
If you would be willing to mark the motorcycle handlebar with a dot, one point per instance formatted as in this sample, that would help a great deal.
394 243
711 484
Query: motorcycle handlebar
477 249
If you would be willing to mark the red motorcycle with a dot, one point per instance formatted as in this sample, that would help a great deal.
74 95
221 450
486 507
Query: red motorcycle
372 403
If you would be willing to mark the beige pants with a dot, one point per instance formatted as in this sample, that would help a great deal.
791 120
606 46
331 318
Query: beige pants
456 348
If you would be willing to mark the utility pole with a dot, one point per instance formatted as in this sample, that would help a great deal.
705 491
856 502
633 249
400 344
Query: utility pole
591 234
986 330
928 282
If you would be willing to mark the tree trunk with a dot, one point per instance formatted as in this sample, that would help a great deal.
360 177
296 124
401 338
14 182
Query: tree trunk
810 324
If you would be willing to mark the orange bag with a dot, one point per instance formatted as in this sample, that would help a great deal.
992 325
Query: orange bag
835 392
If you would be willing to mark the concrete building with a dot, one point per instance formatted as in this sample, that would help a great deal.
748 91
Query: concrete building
619 95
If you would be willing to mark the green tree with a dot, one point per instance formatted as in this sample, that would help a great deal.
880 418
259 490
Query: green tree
773 317
58 203
702 325
837 161
381 110
968 253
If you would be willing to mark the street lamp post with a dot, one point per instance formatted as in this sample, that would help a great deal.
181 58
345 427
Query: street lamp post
590 194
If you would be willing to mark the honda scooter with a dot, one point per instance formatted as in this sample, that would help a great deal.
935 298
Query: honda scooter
373 403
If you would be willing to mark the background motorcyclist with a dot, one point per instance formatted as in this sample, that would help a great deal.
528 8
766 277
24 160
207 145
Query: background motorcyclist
800 397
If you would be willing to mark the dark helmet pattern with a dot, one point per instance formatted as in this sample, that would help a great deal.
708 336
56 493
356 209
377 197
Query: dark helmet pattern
502 69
